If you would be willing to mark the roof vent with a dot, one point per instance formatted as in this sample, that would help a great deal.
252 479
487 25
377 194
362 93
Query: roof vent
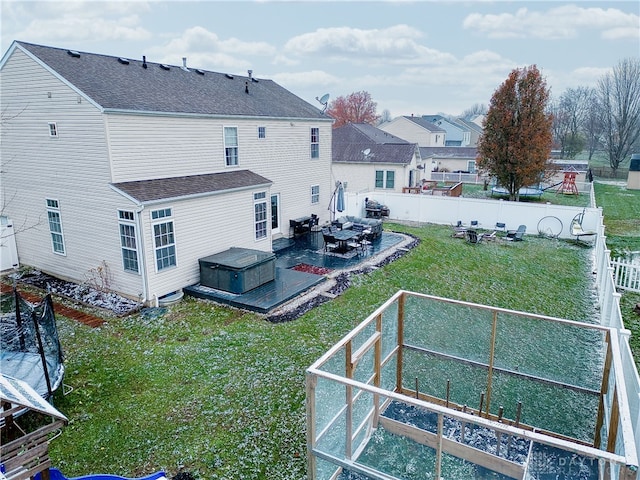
199 72
165 67
73 53
229 76
254 80
144 61
123 61
184 64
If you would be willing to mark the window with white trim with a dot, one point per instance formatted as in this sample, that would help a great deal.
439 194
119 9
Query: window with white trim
53 129
385 179
262 132
128 241
231 146
55 226
164 239
471 166
260 214
315 194
315 142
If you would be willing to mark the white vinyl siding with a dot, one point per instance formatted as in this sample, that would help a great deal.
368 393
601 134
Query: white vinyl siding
260 214
231 146
55 226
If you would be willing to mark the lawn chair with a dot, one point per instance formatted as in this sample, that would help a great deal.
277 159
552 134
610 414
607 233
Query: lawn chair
516 235
459 230
490 237
501 227
330 243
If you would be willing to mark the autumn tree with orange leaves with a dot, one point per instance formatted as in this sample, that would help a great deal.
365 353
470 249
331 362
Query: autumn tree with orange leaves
515 147
356 107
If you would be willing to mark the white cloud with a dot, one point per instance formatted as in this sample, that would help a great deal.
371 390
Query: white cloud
77 21
565 21
394 45
310 78
204 49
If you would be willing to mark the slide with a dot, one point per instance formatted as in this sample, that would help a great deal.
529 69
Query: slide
55 474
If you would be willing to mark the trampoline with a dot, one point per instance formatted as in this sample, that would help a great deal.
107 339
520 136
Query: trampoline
523 192
30 348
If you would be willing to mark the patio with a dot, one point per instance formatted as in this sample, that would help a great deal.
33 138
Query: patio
301 264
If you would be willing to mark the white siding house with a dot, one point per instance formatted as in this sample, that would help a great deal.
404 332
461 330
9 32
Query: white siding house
368 159
143 168
416 130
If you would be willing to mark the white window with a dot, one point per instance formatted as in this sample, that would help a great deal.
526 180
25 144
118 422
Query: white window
231 146
164 239
262 132
471 166
53 129
385 179
315 194
55 226
315 142
128 241
260 214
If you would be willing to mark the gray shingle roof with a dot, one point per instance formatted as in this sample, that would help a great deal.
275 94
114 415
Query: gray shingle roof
426 124
144 191
114 85
350 141
448 152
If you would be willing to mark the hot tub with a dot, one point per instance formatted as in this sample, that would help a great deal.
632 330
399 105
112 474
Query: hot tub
237 270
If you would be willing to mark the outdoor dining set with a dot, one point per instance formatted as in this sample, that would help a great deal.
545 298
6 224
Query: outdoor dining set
345 240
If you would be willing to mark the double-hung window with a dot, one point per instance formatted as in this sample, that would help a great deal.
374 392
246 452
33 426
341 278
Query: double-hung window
262 132
164 239
53 129
55 226
260 214
315 142
128 242
385 179
315 194
231 146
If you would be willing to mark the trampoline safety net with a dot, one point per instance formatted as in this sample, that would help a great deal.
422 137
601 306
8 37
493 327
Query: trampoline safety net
29 345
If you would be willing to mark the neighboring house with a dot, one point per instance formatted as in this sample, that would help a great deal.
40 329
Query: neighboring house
450 159
130 171
416 130
366 158
456 135
475 131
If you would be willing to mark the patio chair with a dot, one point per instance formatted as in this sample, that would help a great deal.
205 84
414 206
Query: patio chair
490 237
501 227
516 235
577 230
459 230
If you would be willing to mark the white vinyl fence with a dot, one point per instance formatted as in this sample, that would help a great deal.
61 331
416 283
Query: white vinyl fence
626 274
449 210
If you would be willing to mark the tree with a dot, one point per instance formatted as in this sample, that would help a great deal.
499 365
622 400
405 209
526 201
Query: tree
569 117
356 107
474 110
385 117
516 144
619 97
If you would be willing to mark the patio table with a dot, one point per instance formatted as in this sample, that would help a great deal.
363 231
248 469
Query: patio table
342 238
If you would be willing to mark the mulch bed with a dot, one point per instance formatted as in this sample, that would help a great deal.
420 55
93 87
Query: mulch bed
84 318
304 267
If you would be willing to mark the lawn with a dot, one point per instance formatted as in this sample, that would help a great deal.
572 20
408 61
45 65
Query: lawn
220 393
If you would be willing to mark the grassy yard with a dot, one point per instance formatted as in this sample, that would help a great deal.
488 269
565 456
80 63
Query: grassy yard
220 393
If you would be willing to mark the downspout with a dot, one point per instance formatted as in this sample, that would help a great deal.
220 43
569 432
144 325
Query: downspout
143 263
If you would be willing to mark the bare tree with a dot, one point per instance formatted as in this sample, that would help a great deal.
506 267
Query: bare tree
476 109
619 97
593 126
569 114
385 117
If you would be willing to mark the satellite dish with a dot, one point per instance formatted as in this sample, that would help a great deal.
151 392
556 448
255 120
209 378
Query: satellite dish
324 101
366 152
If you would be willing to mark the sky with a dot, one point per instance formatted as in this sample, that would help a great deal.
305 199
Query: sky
412 57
